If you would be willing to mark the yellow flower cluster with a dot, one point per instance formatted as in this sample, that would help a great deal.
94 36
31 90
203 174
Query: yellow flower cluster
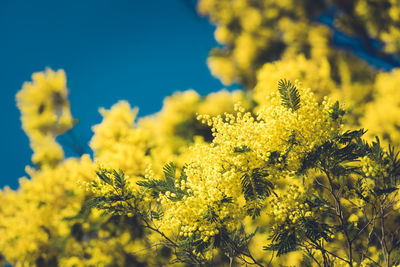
180 109
373 105
382 116
312 73
34 217
256 32
317 73
118 143
374 169
289 207
203 197
224 151
43 222
240 160
271 141
266 40
45 114
175 127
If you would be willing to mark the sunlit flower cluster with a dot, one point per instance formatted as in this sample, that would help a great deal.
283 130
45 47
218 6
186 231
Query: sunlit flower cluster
118 143
256 32
28 221
312 73
49 208
272 141
212 169
374 169
263 41
289 207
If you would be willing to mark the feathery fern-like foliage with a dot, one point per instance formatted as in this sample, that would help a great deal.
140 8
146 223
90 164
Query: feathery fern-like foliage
119 200
256 186
290 96
157 186
336 112
283 241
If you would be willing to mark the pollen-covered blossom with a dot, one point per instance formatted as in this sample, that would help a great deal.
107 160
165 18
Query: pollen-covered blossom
289 207
28 222
315 74
172 130
177 119
44 104
118 143
44 223
46 150
45 114
270 143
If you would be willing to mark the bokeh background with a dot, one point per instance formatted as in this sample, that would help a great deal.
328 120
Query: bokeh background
140 51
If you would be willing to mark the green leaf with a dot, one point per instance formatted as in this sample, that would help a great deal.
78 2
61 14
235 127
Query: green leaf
183 176
210 215
103 175
384 191
119 178
167 184
152 183
233 243
155 215
333 154
93 203
255 185
290 96
187 245
253 208
242 149
314 230
395 161
226 199
336 112
283 241
169 172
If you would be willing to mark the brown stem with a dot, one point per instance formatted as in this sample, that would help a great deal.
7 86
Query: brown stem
383 236
251 257
339 212
311 255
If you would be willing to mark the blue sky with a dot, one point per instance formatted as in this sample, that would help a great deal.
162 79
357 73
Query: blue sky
140 51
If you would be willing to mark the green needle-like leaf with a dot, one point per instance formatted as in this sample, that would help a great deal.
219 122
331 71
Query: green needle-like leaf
290 96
